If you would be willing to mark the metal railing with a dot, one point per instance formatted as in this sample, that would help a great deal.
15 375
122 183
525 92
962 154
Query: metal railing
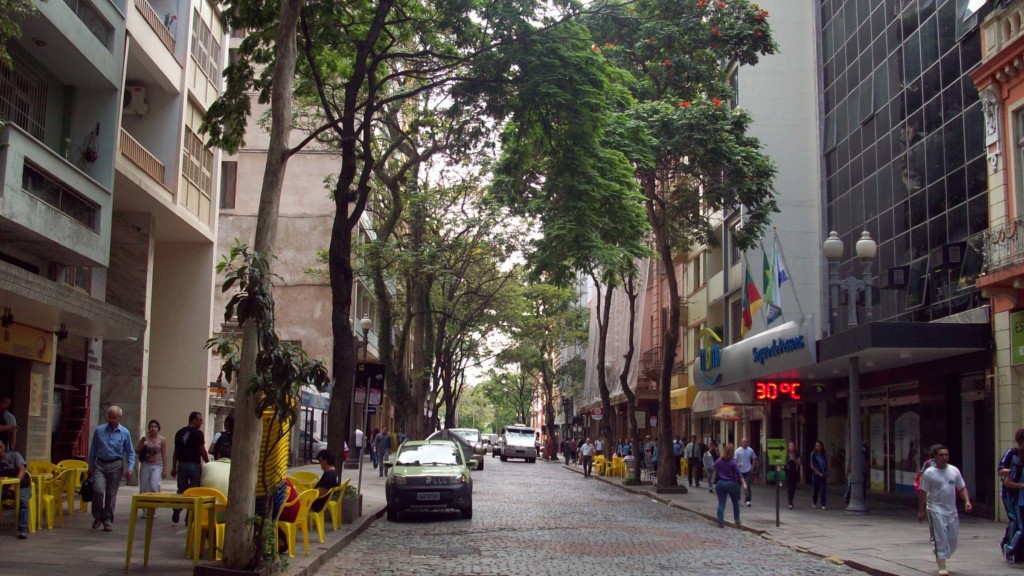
137 153
650 361
1004 245
154 21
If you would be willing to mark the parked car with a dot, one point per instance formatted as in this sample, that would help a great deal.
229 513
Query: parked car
429 475
310 445
474 458
472 437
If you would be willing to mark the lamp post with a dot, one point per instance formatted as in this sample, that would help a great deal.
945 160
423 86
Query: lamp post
866 250
355 453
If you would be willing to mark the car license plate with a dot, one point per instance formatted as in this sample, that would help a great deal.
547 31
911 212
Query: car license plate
428 496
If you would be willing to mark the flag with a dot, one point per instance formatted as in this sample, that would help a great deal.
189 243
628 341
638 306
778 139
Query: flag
780 264
751 302
774 276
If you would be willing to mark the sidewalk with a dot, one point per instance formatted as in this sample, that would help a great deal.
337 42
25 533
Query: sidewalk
888 541
77 550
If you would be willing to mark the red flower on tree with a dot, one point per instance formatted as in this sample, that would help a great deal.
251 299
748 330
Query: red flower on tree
721 4
715 32
702 3
684 104
716 102
667 63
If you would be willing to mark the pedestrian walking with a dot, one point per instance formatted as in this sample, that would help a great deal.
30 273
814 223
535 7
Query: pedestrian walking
819 475
691 453
940 486
221 447
599 446
792 472
709 459
152 451
1011 467
587 453
373 447
382 450
577 457
12 465
189 455
746 458
567 450
359 444
111 445
727 480
678 449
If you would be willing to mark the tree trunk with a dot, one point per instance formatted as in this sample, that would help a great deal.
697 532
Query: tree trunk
631 425
670 338
239 552
603 320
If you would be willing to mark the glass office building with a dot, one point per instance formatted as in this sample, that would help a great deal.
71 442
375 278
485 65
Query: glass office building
904 149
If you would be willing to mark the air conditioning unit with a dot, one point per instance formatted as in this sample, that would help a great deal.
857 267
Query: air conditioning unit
135 101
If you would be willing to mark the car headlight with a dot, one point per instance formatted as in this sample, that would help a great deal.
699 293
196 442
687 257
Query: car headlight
397 480
460 479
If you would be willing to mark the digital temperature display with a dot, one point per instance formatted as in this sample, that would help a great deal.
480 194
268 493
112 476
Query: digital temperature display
777 391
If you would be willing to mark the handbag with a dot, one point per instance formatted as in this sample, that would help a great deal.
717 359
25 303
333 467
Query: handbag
86 490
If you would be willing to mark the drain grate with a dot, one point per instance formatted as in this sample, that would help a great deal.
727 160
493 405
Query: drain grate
444 551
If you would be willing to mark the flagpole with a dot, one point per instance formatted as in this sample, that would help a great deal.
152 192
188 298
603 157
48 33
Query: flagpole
782 256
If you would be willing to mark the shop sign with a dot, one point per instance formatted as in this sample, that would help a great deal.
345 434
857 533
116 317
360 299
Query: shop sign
1017 338
28 343
654 421
729 413
789 346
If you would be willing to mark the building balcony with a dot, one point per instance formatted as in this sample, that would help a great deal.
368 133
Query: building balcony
650 362
1004 246
138 155
157 24
81 43
50 207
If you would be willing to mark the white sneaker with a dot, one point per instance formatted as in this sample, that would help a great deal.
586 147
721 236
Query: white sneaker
748 503
942 568
822 507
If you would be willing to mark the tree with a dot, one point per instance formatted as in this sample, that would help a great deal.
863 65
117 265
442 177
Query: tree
699 162
510 393
225 124
12 11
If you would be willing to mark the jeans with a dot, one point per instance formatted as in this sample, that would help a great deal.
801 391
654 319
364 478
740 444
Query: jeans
373 457
746 477
149 477
189 474
1013 516
24 497
383 457
588 462
107 479
792 480
731 489
819 484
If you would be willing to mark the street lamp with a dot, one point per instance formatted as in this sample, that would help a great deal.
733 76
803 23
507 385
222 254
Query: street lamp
355 452
866 250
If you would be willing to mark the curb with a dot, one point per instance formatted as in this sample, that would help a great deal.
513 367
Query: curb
338 546
762 533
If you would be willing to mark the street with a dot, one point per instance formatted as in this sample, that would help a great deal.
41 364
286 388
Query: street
536 519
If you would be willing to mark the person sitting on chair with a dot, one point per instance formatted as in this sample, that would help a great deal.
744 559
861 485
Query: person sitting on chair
328 480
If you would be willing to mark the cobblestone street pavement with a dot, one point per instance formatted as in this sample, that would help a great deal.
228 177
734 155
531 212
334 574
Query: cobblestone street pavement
537 519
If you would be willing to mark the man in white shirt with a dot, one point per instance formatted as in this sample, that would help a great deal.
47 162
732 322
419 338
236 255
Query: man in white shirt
746 459
940 485
359 443
599 447
587 451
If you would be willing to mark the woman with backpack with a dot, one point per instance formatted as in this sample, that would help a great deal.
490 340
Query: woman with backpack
819 475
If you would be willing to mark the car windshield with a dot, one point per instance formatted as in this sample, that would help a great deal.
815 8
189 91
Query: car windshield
429 455
470 435
520 432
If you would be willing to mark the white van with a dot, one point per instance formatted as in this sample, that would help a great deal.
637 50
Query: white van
517 441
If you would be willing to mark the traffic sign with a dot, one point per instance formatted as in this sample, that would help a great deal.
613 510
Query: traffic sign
776 451
597 413
371 409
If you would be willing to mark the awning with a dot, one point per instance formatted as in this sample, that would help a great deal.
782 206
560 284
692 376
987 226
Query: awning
40 303
709 401
682 398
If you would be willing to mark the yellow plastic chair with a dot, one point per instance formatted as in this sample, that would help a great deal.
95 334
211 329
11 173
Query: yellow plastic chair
80 468
317 518
304 480
52 496
334 503
301 521
42 467
204 523
599 465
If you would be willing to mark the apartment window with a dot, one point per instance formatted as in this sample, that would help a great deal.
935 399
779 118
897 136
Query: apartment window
734 251
23 97
92 20
56 194
205 48
1018 128
77 277
696 273
228 184
197 162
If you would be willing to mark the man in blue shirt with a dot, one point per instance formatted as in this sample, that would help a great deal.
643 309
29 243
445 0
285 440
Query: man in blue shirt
111 445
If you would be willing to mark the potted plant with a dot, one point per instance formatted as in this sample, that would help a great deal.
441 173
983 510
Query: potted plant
351 505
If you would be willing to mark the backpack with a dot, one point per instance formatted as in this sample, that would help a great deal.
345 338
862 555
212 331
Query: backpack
917 479
222 447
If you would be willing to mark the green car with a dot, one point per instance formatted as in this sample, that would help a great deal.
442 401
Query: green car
429 475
